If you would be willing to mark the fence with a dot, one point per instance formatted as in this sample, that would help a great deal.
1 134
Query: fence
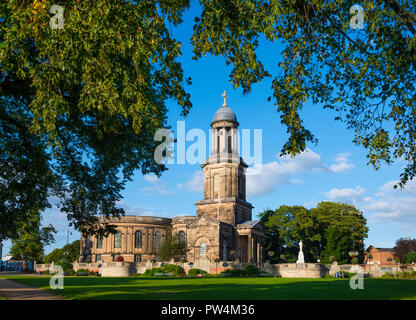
15 265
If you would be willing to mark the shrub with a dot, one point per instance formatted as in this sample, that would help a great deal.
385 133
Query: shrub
194 271
83 272
172 268
388 275
251 270
151 272
233 272
66 266
166 268
120 259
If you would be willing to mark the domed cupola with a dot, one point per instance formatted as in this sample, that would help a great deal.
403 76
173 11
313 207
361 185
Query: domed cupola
224 114
224 133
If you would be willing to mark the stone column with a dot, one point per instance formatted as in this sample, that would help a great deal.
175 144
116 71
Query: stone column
258 251
250 248
147 240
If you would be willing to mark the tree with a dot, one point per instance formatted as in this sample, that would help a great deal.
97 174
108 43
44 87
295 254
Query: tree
69 252
88 98
172 248
411 257
343 230
366 76
80 106
286 227
331 231
31 239
403 247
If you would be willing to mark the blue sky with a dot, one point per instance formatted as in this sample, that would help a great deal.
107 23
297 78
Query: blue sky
334 169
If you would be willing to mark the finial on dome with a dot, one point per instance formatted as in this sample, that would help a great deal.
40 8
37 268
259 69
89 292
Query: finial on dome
225 98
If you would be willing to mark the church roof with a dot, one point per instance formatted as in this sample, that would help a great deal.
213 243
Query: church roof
248 224
224 113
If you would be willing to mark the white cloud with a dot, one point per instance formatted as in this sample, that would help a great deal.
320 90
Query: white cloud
158 186
196 183
387 204
264 179
151 178
345 193
393 205
341 163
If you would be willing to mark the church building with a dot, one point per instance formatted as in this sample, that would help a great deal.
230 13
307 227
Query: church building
222 228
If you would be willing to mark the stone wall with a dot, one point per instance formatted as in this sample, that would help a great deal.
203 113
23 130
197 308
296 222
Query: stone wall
288 270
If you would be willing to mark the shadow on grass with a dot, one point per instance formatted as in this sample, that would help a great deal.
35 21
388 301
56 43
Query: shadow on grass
224 288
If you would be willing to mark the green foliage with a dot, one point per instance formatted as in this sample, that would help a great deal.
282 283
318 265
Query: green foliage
411 257
194 271
69 252
172 248
165 268
251 270
402 248
172 268
31 238
80 106
233 272
365 76
98 88
66 266
151 272
84 272
329 232
399 275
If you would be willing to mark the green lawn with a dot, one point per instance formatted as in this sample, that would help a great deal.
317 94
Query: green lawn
1 297
223 288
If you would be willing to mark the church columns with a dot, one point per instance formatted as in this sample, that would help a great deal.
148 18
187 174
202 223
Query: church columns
258 251
250 248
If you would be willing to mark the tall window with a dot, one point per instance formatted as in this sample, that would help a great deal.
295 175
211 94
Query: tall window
203 249
181 237
138 239
117 240
99 241
137 258
158 239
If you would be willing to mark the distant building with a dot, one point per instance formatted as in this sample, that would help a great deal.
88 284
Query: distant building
222 228
379 255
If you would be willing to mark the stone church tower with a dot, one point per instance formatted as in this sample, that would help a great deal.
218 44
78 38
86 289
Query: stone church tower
224 173
224 228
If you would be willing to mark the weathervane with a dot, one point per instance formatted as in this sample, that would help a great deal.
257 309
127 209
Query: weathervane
225 98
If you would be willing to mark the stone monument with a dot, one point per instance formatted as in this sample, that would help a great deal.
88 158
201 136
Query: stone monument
301 259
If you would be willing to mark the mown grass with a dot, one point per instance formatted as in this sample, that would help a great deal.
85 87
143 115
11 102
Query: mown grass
223 288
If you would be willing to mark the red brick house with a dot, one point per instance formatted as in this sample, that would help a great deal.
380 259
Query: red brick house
379 255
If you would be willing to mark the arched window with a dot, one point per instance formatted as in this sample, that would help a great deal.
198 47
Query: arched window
181 237
117 240
158 239
203 249
99 241
138 239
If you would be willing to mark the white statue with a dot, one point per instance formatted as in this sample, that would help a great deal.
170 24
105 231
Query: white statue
301 259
